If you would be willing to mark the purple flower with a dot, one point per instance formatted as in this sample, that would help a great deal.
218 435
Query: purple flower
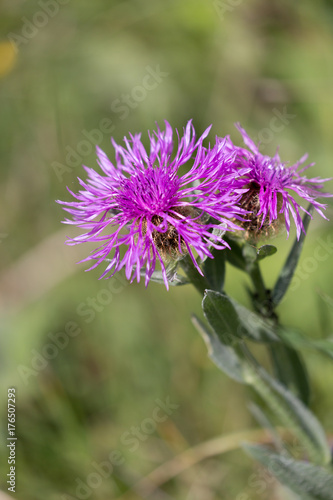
143 206
272 186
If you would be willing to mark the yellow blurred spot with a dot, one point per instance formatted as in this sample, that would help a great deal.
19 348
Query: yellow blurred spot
7 58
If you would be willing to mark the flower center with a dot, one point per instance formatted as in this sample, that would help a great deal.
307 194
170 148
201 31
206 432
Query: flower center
147 192
170 244
255 227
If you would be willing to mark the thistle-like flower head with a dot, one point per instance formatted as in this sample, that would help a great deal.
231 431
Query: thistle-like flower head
272 186
143 210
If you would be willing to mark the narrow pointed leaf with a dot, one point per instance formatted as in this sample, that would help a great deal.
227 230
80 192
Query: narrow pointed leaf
221 316
254 326
266 251
224 356
307 480
290 369
231 321
298 341
288 269
293 414
325 346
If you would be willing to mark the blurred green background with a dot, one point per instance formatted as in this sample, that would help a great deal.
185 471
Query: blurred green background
78 75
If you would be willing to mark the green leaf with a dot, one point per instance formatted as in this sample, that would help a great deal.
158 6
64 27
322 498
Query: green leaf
254 326
290 369
307 480
266 251
224 356
230 320
292 413
221 316
288 269
325 346
214 270
298 341
234 359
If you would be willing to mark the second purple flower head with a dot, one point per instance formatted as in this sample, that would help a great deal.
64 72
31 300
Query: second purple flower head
275 190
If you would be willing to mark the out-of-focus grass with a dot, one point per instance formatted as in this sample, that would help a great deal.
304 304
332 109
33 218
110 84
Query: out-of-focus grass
241 66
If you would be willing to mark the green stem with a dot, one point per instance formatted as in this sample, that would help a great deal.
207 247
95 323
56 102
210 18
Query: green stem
261 298
258 282
197 280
